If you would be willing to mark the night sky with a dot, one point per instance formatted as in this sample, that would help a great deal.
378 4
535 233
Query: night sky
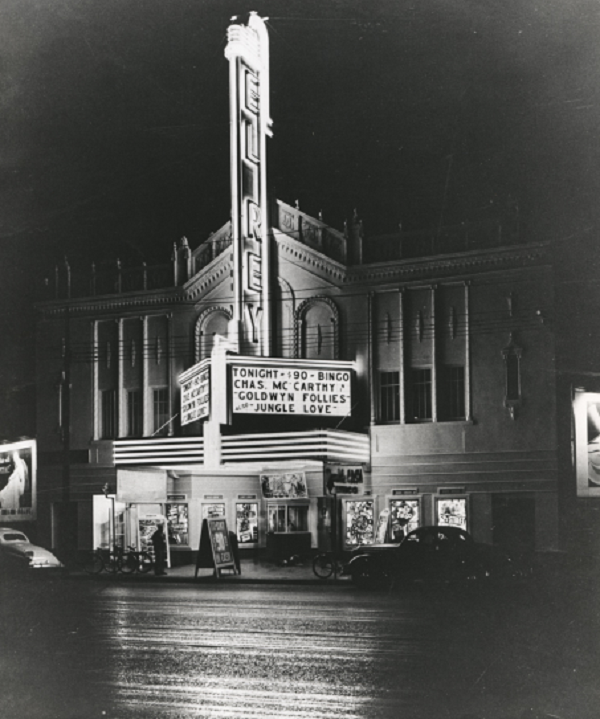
114 128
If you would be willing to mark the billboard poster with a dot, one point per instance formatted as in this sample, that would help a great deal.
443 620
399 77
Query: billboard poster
586 408
297 390
18 470
285 485
195 393
451 512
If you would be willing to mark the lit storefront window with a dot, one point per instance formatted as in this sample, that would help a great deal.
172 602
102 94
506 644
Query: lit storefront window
178 523
246 518
108 528
287 518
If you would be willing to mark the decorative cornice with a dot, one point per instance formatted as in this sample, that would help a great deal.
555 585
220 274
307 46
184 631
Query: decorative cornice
313 260
110 303
473 261
209 276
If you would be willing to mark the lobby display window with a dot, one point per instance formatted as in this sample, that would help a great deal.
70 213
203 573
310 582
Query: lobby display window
452 512
177 523
405 515
287 518
359 522
246 522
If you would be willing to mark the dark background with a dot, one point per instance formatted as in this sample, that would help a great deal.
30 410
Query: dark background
114 129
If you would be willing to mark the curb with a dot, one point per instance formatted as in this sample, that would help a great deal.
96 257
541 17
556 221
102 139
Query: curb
210 581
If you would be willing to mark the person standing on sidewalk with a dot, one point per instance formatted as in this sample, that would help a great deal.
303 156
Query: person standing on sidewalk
160 551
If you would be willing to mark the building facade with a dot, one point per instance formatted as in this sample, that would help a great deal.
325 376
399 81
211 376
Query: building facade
314 386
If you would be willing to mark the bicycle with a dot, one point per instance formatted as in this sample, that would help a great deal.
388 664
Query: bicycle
326 563
117 560
93 562
135 561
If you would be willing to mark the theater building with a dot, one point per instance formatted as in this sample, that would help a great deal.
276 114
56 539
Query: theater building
311 385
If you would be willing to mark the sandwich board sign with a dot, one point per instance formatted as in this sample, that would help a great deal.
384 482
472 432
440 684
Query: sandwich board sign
215 549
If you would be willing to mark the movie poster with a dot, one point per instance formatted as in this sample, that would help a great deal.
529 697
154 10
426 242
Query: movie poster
18 468
586 408
405 516
359 519
452 512
286 485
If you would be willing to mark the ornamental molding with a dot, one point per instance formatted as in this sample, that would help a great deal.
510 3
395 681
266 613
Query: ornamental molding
311 259
492 260
56 308
201 320
300 314
218 270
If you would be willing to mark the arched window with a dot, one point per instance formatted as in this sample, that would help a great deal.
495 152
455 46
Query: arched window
317 329
283 306
210 323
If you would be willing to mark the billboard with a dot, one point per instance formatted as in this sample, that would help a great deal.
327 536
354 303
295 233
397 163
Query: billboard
290 389
586 409
285 485
195 393
18 474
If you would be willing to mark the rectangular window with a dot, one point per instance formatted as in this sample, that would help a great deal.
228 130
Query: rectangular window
160 404
389 396
134 413
421 394
451 393
108 409
287 518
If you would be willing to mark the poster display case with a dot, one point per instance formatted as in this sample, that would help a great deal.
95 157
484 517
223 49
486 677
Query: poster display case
358 521
405 515
246 523
452 511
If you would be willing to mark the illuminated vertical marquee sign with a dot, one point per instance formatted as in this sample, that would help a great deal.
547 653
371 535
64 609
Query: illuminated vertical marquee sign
248 54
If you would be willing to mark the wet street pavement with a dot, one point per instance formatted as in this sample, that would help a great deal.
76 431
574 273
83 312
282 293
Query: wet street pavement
79 649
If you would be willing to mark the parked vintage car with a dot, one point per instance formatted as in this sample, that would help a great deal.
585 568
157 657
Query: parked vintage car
436 554
18 553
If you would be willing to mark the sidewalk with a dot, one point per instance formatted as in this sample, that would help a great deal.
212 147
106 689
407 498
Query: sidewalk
255 570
